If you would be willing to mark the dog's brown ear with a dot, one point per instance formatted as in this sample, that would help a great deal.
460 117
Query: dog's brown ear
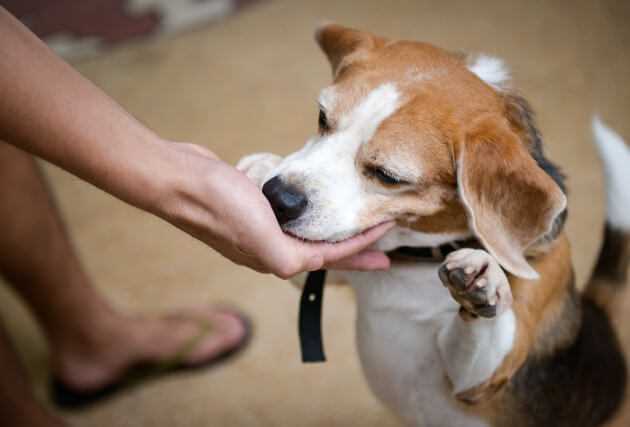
511 201
339 43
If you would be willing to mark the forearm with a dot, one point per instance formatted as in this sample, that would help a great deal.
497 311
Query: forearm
50 110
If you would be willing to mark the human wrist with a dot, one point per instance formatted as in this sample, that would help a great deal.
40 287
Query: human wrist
177 182
158 180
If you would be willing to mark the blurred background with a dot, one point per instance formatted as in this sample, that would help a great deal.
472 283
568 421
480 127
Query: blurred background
242 76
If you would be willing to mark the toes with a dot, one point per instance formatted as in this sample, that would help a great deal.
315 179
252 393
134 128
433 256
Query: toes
459 279
227 331
478 295
483 298
196 335
443 273
485 310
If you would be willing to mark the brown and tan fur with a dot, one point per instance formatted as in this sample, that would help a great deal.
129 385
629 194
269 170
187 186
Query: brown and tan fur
483 169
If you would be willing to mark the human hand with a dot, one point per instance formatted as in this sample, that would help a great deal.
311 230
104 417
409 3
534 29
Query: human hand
220 206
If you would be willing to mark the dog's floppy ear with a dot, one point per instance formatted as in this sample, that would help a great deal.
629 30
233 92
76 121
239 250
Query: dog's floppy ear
340 42
511 202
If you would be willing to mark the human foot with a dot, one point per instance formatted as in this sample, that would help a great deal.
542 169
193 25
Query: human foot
107 358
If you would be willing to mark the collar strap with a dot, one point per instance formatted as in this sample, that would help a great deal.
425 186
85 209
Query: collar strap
430 253
310 319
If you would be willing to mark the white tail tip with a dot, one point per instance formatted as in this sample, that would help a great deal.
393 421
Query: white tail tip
615 155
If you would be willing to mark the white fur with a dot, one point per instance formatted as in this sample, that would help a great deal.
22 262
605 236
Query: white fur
615 155
324 169
378 105
328 98
473 350
401 313
257 166
491 70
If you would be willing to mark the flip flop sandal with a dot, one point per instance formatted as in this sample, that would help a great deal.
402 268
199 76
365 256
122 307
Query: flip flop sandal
66 397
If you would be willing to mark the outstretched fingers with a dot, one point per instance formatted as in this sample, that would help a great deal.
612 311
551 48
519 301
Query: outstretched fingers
350 254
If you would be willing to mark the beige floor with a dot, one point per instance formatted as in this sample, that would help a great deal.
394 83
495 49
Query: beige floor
250 85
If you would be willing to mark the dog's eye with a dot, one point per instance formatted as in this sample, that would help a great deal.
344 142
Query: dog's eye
324 126
384 176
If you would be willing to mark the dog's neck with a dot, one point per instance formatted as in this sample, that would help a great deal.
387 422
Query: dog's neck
312 294
404 236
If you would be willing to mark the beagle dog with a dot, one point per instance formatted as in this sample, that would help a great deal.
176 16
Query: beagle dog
478 322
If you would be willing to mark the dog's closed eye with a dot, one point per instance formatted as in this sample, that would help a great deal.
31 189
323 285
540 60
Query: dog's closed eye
383 175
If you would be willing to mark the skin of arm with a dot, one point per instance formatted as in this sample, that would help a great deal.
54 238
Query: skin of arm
49 110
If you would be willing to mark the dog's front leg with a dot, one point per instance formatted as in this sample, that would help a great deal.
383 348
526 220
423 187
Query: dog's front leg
475 341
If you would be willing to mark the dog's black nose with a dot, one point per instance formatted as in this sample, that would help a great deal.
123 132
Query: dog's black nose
286 201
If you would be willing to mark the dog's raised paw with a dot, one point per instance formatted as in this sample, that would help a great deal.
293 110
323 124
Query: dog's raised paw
476 281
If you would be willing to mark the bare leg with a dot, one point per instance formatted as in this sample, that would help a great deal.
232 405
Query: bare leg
18 406
91 344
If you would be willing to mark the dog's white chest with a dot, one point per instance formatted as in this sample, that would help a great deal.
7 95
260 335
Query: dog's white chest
400 313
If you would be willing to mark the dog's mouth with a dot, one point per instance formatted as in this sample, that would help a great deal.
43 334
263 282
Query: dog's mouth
303 239
332 241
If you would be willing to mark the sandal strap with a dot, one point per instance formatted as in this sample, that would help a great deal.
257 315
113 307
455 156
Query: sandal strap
179 358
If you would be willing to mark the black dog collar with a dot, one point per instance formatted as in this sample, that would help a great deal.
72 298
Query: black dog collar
310 319
429 254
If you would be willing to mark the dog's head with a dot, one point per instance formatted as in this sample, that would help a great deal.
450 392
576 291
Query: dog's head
411 132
